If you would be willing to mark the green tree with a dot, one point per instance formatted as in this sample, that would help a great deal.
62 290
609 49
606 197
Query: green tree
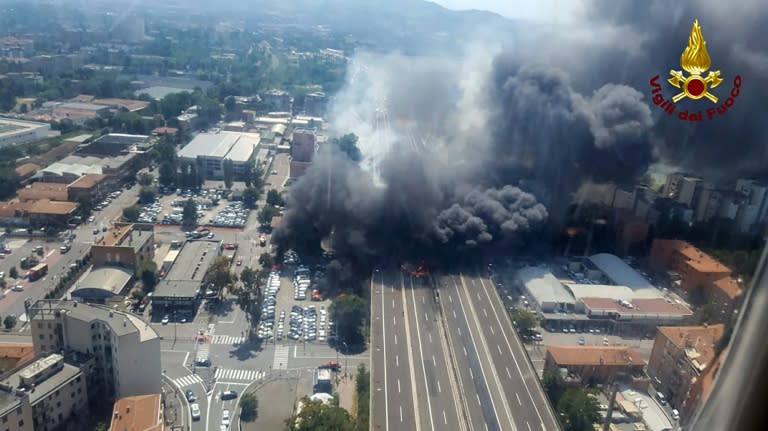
148 274
348 145
146 179
189 213
219 274
553 385
248 407
349 312
131 213
266 260
266 214
13 272
578 410
274 198
363 391
317 416
228 173
249 296
147 194
9 179
167 171
248 174
524 320
250 196
9 322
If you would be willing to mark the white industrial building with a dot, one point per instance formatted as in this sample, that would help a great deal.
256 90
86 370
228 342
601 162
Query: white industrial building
211 149
14 131
545 290
616 271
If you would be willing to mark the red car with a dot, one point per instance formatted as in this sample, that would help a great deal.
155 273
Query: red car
230 246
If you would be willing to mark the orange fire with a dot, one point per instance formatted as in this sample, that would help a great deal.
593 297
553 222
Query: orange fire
417 271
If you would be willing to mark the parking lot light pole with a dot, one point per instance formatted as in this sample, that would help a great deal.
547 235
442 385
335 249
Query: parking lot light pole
346 358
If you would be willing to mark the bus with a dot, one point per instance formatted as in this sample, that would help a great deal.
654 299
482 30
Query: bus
38 271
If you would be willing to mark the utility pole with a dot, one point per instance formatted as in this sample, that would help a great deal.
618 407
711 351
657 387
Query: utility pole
611 403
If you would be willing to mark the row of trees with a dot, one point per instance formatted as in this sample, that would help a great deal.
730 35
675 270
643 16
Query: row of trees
576 409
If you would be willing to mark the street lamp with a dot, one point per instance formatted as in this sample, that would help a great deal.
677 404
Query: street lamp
346 357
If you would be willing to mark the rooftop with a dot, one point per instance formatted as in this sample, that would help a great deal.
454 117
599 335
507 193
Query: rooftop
79 106
45 206
698 341
12 354
128 104
139 413
120 323
177 288
243 149
697 259
38 190
27 169
10 126
606 291
619 272
110 279
544 286
121 139
87 181
194 260
81 165
209 145
44 385
79 138
641 307
595 355
729 286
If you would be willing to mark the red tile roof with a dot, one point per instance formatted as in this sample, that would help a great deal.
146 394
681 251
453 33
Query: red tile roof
595 355
139 413
701 338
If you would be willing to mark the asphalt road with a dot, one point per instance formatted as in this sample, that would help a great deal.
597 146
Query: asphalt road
445 356
524 399
413 387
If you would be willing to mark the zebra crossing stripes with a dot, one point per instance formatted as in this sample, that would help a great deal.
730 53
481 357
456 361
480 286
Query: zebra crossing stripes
281 358
187 380
230 374
227 339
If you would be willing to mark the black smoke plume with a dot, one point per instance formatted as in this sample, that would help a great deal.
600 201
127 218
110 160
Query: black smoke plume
477 153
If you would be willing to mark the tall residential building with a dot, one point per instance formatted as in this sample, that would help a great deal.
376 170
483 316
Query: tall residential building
708 205
682 188
754 208
680 355
127 245
302 151
42 395
314 104
126 349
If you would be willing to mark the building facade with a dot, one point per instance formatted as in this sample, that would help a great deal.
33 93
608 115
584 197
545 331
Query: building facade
125 349
42 395
595 364
126 245
680 355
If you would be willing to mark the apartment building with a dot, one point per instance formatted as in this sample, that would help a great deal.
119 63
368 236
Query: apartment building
138 413
680 355
595 364
127 245
126 350
42 395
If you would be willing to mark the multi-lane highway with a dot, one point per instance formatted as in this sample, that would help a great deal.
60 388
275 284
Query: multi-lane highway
445 356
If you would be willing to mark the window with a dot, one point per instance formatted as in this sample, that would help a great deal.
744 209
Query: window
42 336
39 326
21 423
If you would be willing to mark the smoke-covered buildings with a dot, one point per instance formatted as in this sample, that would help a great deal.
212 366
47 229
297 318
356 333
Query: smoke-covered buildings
303 149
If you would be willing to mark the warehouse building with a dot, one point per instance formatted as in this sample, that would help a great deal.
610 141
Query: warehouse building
20 132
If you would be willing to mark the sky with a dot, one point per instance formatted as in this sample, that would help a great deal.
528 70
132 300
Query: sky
541 10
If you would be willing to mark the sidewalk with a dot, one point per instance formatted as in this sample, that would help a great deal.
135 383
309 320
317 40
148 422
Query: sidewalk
346 389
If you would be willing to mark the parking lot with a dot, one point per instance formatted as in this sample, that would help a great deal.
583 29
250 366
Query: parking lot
212 209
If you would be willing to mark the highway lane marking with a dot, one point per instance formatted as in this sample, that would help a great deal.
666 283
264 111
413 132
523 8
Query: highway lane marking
411 357
459 330
529 426
401 413
486 426
393 304
499 347
518 399
438 387
450 298
384 337
492 332
397 360
434 362
484 344
394 321
508 373
465 350
471 374
421 353
485 312
426 317
514 358
430 336
445 418
454 313
398 386
395 338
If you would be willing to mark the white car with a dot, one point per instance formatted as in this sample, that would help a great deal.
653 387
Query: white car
225 418
18 288
165 320
195 407
675 414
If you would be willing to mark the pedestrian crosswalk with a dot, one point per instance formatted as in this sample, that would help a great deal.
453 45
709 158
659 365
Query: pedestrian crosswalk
246 375
281 358
227 339
187 380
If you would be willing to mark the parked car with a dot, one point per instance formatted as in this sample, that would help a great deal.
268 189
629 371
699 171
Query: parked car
191 396
195 408
165 320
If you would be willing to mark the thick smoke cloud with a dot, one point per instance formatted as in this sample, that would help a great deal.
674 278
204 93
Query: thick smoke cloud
477 151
